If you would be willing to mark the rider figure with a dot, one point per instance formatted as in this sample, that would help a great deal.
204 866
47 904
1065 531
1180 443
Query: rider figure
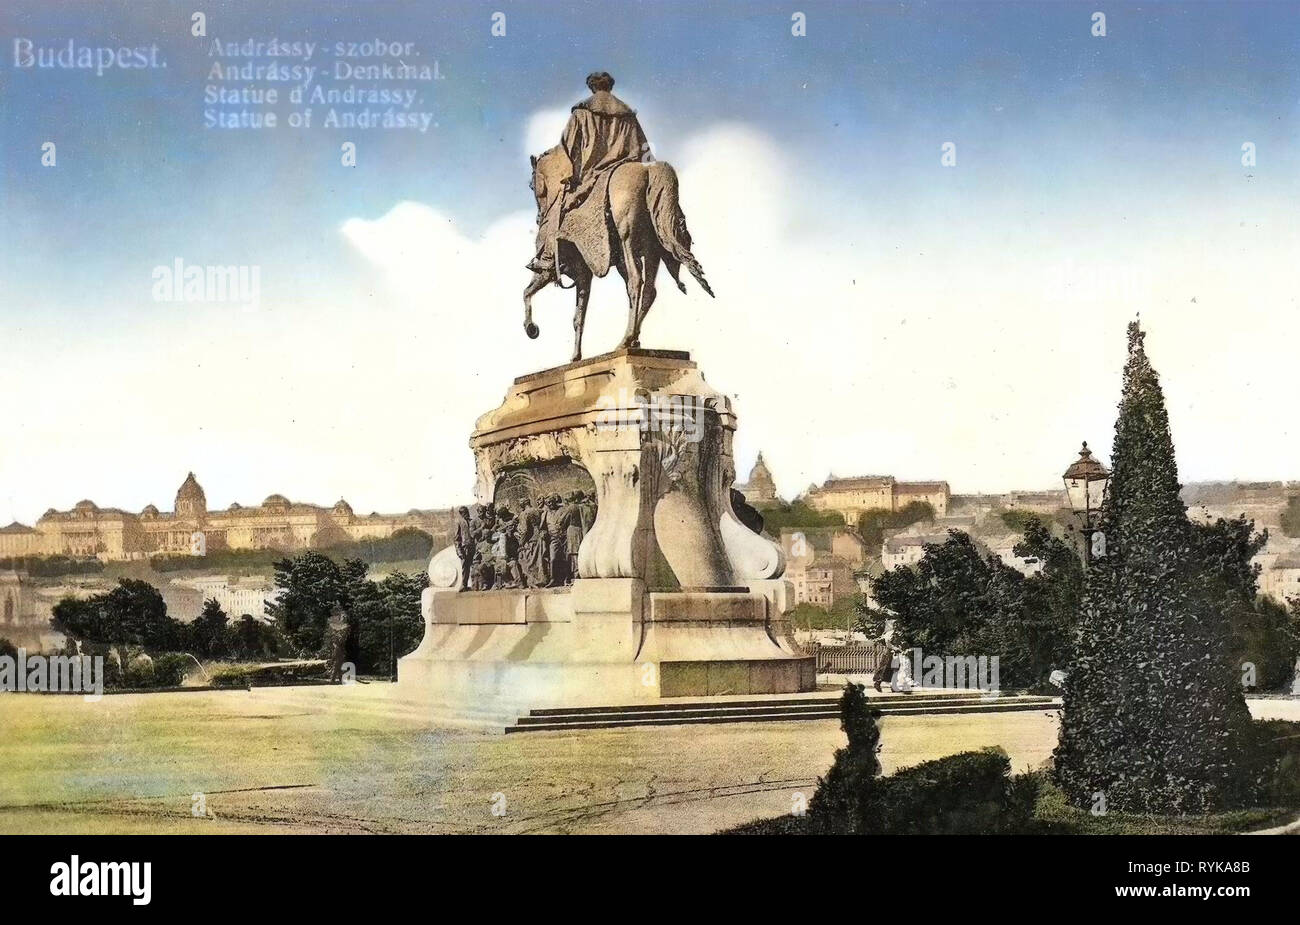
603 132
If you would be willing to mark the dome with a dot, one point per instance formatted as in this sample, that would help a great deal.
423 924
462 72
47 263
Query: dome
86 505
149 511
236 506
276 502
191 502
343 509
760 486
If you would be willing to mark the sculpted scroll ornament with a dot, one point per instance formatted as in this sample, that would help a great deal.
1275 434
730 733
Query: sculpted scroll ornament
671 446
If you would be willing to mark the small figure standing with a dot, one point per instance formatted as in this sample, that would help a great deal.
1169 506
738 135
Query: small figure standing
556 538
482 573
464 543
532 545
885 670
336 642
902 682
508 572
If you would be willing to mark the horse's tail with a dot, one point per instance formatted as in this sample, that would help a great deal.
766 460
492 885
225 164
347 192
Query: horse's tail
669 220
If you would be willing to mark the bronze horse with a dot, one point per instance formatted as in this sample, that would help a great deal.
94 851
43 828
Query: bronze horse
647 228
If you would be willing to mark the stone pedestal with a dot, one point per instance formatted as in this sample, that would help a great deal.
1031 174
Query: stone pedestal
674 595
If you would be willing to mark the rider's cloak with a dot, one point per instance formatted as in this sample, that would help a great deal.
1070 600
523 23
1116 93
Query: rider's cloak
603 132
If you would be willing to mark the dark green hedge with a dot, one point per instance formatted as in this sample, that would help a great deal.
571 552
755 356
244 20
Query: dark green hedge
270 675
971 793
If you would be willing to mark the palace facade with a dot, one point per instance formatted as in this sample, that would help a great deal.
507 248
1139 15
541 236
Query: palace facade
853 496
113 534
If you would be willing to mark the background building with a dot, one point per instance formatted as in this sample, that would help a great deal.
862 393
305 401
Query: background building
760 490
277 523
851 497
822 563
908 548
236 596
25 615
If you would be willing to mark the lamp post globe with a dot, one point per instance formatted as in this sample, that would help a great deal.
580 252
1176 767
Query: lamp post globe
1085 487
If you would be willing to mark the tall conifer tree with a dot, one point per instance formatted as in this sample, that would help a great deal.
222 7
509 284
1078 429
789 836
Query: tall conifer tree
1155 719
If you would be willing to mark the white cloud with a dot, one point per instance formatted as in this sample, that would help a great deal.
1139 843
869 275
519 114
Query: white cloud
544 130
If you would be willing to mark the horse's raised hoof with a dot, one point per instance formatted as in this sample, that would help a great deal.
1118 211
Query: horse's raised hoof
531 330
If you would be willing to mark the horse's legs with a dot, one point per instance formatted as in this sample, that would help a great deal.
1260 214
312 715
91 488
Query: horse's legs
582 289
630 268
649 269
535 285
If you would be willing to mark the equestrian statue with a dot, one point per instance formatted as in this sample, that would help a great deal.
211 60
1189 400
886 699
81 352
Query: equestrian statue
602 201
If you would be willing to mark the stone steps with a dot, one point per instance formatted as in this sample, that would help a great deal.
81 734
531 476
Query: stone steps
761 711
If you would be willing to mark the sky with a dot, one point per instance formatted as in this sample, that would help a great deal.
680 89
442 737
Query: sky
877 311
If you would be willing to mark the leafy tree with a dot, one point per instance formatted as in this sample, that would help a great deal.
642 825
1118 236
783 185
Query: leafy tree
217 559
133 613
311 585
209 633
80 619
405 544
959 600
393 603
797 514
1018 520
250 639
1264 636
1043 637
315 586
141 613
946 603
1154 716
873 524
1267 636
1291 516
52 566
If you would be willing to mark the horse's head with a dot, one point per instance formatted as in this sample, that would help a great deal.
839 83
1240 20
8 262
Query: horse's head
549 171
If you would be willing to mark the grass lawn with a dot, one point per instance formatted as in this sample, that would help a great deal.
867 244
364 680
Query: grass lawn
1059 818
358 759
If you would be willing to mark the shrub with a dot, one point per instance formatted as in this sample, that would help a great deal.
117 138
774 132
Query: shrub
170 669
873 524
797 514
139 674
845 801
971 793
166 670
778 825
52 566
1276 770
270 675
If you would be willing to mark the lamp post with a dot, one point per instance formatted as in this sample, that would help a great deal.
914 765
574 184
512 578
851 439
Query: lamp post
1085 486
